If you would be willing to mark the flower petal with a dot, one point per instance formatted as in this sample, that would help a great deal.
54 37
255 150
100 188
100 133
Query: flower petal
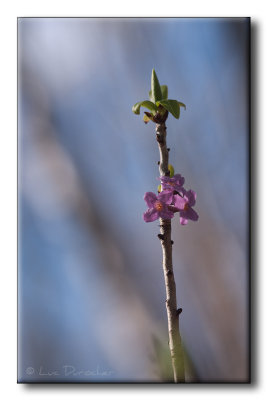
164 179
191 214
181 191
166 196
179 179
191 195
166 186
179 201
151 215
183 221
150 199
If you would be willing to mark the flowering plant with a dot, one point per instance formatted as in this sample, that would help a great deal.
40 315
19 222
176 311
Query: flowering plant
172 198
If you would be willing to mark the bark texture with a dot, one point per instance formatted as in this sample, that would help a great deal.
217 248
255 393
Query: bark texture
166 243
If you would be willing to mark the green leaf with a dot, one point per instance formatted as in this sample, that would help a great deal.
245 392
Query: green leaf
182 105
164 92
173 106
155 88
146 103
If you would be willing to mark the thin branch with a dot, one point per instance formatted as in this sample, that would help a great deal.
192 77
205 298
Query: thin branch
175 343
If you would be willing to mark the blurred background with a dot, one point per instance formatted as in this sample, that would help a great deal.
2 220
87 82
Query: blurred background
91 292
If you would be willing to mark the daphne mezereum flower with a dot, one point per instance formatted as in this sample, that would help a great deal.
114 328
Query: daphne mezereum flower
184 205
174 183
158 206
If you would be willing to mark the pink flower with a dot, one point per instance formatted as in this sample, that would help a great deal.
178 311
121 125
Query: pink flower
158 206
184 205
174 183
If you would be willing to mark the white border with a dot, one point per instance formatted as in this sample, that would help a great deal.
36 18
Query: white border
8 92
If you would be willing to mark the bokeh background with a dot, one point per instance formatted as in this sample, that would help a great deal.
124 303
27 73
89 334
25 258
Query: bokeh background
91 293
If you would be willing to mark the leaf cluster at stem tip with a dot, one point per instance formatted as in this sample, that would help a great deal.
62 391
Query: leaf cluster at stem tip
159 105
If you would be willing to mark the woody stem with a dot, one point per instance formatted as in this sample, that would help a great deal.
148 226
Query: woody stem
175 343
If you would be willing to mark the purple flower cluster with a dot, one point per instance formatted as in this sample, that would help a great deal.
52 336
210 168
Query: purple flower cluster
173 198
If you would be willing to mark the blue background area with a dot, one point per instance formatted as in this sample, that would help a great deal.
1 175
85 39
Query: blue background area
91 289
